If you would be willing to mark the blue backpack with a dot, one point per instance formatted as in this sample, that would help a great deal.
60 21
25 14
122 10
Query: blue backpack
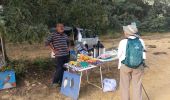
134 53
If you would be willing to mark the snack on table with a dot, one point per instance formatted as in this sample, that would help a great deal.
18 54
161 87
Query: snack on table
74 65
97 62
82 57
88 59
105 56
83 61
94 61
73 62
84 64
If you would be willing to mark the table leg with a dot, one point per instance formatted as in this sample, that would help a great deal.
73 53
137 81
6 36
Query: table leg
80 81
108 69
101 76
87 76
81 74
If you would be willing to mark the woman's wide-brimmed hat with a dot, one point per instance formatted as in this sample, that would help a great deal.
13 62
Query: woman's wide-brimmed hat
130 29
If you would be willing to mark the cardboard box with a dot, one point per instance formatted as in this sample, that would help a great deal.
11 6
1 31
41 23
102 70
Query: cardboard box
71 85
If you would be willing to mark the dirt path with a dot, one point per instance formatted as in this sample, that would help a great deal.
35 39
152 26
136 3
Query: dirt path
156 79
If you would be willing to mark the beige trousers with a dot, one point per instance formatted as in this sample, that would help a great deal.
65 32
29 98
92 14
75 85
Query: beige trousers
126 75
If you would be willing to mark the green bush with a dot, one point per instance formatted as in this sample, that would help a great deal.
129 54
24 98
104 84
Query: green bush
43 63
21 66
154 23
29 20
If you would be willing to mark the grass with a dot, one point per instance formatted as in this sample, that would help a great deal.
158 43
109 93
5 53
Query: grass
25 57
22 66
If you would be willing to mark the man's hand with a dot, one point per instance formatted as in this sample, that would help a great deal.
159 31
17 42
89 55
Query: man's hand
55 51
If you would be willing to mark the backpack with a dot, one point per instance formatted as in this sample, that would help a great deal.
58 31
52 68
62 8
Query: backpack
134 53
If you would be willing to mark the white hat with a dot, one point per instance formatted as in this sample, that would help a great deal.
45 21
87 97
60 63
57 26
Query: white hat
130 29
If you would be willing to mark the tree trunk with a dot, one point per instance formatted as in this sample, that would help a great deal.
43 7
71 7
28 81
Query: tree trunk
4 46
4 49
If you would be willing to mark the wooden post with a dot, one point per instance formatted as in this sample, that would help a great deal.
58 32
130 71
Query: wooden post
4 48
4 56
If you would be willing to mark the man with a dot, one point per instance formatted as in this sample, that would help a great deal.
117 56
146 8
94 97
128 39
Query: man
131 54
58 43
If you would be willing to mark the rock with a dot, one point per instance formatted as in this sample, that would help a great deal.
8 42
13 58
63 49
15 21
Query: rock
27 83
35 74
33 85
29 88
151 46
44 87
39 83
159 53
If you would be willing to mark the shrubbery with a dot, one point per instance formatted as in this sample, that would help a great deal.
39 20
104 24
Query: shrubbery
29 20
22 66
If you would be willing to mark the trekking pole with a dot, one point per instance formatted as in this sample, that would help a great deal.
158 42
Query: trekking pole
145 92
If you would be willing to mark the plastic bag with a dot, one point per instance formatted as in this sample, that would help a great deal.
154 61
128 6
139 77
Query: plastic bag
109 85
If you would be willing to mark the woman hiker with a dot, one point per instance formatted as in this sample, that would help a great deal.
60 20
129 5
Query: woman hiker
131 54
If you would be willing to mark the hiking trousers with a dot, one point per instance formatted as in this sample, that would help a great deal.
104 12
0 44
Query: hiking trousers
135 75
59 62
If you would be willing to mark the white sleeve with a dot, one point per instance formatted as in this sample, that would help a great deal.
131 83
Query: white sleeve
121 49
144 53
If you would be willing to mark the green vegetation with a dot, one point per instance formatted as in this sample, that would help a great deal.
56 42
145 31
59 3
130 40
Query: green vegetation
29 20
22 66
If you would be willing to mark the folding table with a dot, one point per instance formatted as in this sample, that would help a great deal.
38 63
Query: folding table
90 67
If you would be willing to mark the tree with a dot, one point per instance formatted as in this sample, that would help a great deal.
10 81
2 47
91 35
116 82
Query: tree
29 20
26 20
3 31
